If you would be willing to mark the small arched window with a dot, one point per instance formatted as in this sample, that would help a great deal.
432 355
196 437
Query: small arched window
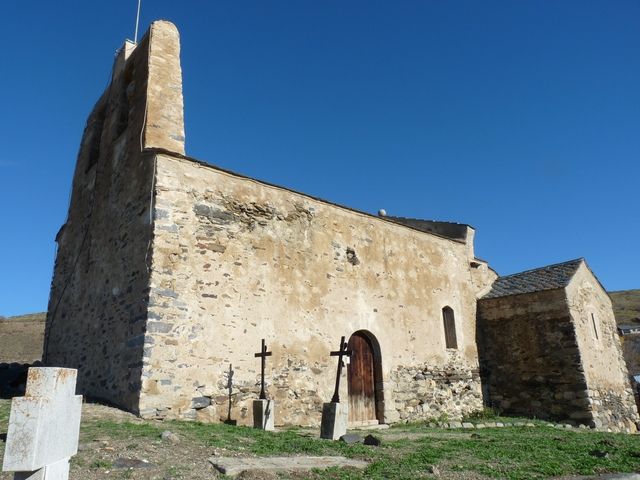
449 320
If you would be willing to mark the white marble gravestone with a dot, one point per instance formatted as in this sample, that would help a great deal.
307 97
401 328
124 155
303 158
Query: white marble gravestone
44 426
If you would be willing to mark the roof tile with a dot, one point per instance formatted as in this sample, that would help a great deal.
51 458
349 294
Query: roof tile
539 279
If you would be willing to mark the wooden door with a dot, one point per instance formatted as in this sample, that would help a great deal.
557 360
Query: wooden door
361 380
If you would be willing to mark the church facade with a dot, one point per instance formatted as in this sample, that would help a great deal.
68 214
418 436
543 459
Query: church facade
171 271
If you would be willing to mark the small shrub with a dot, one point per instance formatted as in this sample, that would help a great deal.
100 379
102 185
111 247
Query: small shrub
442 418
486 413
100 463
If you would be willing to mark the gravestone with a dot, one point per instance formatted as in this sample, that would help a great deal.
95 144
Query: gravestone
263 408
335 414
44 426
263 414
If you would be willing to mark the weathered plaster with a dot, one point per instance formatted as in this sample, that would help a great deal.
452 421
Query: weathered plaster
235 260
169 272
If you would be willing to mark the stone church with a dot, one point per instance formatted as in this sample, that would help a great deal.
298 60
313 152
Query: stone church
170 271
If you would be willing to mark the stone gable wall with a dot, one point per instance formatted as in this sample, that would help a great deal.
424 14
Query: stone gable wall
540 358
97 311
235 260
610 401
530 360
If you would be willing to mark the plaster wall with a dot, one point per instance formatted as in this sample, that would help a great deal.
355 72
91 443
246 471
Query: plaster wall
236 260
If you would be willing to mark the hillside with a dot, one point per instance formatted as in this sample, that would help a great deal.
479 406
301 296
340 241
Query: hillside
626 306
29 317
21 338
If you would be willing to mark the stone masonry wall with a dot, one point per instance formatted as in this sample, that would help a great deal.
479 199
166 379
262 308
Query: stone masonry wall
611 402
428 392
530 361
236 260
97 311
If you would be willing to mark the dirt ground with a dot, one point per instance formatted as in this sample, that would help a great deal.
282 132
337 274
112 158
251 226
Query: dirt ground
102 456
105 454
118 445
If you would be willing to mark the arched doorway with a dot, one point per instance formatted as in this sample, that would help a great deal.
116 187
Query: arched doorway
364 375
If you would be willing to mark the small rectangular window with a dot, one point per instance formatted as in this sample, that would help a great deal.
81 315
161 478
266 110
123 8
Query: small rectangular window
595 327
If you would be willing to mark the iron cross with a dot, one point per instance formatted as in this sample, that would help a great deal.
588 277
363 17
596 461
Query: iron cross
342 351
263 354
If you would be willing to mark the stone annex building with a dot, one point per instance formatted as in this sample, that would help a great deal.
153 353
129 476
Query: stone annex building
170 271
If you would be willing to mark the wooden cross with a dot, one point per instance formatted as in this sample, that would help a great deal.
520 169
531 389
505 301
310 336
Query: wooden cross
263 354
342 351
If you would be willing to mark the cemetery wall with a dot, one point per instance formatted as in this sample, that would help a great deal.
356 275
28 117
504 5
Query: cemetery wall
236 260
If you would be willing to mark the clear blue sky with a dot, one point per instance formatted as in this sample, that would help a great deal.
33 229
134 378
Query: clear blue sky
521 118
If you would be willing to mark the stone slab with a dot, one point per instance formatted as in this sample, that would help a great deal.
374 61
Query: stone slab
379 426
334 420
55 471
351 438
44 425
264 412
235 465
200 402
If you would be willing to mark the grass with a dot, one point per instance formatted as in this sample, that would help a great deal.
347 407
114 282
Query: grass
119 431
233 438
5 408
407 451
522 453
173 472
485 414
96 464
515 453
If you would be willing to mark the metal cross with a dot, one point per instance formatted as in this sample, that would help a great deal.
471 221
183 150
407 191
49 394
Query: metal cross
263 354
342 351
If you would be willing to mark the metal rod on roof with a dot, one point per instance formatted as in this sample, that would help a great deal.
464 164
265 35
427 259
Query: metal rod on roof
135 36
